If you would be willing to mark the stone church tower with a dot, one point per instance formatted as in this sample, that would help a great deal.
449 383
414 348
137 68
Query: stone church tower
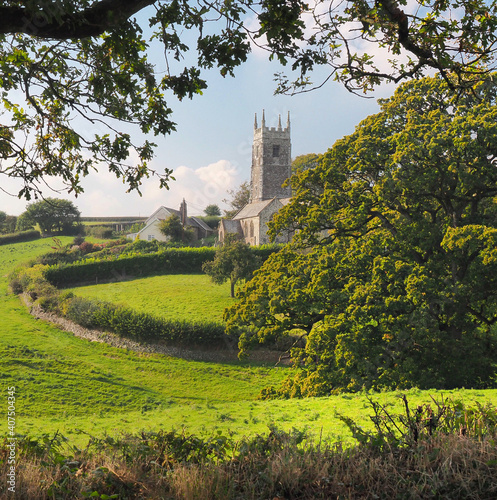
271 161
271 167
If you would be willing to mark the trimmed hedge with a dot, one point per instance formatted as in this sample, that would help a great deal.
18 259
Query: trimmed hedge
6 239
140 326
169 261
123 321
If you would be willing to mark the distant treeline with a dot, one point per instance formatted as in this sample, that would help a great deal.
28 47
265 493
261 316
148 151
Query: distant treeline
112 219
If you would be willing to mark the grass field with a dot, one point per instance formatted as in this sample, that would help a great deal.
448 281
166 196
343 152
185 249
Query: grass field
185 297
78 387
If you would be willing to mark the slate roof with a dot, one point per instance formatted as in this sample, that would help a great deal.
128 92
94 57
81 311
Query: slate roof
231 226
190 221
201 223
252 209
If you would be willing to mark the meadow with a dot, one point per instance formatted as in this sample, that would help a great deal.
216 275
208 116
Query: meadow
189 297
82 388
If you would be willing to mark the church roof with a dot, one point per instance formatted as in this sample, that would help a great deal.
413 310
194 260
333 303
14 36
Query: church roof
231 226
253 209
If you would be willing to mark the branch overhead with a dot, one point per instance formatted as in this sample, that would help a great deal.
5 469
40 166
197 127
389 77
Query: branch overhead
51 20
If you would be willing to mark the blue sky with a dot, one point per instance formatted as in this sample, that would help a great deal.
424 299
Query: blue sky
211 150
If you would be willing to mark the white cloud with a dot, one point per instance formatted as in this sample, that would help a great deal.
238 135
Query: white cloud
199 187
105 195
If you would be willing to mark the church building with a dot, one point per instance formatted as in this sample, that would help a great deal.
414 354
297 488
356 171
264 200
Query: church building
271 167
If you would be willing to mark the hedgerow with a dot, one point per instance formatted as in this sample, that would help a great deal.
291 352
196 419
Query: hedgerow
7 239
41 281
165 261
140 326
121 320
170 261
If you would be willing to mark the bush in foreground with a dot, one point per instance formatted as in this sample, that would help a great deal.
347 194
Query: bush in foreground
452 455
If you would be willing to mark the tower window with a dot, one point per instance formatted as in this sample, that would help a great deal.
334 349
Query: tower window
276 151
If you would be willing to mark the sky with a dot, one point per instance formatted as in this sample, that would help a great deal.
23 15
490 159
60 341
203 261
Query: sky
210 152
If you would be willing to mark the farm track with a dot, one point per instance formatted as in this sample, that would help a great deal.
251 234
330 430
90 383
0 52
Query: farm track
219 355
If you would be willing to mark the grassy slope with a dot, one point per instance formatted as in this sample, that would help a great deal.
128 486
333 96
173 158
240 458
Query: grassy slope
66 384
185 297
60 377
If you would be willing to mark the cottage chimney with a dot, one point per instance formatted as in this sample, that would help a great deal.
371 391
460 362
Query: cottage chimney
182 211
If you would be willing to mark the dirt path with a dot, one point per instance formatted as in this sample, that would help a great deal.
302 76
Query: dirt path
230 353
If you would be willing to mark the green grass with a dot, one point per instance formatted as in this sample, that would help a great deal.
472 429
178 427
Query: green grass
185 297
59 377
15 254
72 385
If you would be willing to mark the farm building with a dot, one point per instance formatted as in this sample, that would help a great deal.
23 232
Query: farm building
151 229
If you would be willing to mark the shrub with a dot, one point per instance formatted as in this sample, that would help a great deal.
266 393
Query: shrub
86 247
100 232
140 326
163 261
6 239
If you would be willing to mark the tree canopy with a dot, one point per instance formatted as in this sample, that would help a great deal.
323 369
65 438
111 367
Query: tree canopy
392 276
239 198
52 215
233 261
74 71
212 210
173 228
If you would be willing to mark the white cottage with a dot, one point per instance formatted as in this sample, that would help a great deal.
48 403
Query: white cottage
151 229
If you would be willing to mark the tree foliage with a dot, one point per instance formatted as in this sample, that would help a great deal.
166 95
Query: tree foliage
173 228
239 198
52 215
234 261
73 72
212 211
393 273
305 162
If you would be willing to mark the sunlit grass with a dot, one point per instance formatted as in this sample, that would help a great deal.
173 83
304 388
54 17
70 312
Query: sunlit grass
184 297
70 385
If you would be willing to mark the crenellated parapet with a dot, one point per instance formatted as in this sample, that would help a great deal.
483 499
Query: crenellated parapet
271 160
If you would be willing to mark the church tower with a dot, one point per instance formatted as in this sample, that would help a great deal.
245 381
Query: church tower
271 161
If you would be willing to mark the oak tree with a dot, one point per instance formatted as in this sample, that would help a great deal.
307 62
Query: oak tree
51 215
393 271
79 89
